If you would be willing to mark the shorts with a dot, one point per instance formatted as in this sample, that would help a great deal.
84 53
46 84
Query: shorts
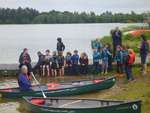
61 65
54 66
143 59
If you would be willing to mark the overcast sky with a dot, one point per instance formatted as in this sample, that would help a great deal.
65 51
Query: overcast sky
98 6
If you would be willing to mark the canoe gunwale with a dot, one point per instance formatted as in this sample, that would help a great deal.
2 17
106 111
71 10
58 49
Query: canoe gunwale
111 78
44 106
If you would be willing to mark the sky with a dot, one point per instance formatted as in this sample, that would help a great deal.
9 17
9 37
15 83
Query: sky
97 6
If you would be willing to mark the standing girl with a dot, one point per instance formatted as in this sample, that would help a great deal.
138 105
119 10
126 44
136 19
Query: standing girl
84 61
105 56
68 63
119 59
61 64
54 64
46 66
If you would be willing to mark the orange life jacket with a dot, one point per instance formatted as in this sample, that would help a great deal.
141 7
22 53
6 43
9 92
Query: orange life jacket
131 58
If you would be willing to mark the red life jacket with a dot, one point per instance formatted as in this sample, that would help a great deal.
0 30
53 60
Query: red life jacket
131 59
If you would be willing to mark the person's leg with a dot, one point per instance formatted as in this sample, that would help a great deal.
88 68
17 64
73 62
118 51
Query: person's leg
121 68
103 68
131 73
106 71
118 69
114 49
60 71
126 72
77 69
144 63
47 68
43 73
52 72
55 71
63 71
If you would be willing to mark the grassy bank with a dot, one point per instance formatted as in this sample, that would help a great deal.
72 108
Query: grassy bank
139 89
124 90
129 40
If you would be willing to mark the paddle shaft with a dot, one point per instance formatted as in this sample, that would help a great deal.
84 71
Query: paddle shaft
38 85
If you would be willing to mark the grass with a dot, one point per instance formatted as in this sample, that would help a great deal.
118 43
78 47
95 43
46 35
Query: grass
128 40
138 89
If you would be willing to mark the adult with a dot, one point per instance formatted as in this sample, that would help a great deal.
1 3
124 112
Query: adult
24 80
60 46
25 59
144 48
116 38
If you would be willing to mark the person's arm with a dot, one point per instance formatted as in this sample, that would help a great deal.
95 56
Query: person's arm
29 58
20 59
57 47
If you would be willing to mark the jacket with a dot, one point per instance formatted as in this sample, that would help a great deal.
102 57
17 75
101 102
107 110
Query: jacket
60 46
24 82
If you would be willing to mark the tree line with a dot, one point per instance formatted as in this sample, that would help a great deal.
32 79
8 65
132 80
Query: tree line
33 16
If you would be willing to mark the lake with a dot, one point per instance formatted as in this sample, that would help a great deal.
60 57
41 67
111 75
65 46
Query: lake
13 38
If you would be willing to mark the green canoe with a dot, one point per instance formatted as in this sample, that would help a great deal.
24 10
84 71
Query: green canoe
54 105
61 89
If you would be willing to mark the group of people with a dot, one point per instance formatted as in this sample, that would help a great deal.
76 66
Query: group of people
54 63
122 55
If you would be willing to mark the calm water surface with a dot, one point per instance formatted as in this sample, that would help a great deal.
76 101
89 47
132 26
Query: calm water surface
13 38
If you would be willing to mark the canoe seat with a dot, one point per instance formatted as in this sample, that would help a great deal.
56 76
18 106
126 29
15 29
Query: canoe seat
53 86
97 81
38 101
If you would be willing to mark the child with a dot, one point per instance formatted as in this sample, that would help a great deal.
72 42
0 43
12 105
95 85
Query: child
54 65
105 56
84 61
60 46
119 59
96 60
128 66
39 66
125 56
68 63
61 64
110 57
75 61
46 66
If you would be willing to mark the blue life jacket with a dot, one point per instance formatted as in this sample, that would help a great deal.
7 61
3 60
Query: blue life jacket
75 59
96 56
119 57
105 54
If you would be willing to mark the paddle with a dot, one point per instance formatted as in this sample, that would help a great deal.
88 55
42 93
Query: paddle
38 85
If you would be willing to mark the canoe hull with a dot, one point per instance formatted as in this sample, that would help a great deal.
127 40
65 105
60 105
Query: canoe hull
130 107
64 92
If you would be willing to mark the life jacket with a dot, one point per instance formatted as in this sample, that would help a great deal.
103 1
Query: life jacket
131 59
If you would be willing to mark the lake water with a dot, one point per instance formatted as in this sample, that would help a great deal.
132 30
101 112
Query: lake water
13 38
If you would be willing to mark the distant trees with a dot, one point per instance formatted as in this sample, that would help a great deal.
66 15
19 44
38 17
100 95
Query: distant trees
147 17
29 15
